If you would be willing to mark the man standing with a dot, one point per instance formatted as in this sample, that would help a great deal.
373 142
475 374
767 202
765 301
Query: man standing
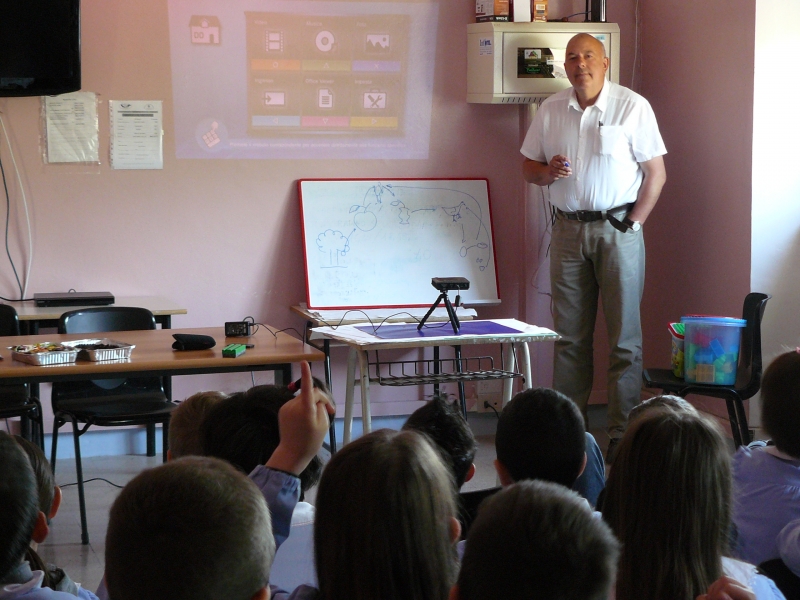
598 148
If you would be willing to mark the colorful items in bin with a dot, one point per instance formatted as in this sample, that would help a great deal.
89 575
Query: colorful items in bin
676 330
712 349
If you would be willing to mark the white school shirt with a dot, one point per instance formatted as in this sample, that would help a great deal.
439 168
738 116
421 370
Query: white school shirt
604 145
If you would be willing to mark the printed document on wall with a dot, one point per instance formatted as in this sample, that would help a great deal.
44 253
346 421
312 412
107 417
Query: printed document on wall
71 128
136 134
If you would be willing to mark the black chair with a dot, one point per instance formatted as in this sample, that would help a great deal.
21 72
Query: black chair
748 374
107 402
15 400
784 578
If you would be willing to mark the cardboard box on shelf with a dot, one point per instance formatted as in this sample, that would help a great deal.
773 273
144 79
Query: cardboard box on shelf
491 10
540 10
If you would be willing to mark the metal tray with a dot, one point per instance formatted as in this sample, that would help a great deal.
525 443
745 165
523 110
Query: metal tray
97 350
53 357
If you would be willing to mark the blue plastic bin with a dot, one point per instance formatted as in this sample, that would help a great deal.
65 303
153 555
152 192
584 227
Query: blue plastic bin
711 349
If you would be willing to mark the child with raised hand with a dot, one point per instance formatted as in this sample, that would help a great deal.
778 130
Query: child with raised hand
668 502
766 481
21 520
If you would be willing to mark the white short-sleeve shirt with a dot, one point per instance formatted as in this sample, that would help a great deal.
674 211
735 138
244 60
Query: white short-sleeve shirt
604 145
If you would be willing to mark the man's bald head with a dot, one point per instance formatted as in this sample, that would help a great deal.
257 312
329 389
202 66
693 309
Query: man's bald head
586 38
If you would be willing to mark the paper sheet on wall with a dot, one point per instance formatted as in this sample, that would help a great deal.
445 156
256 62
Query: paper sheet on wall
71 127
136 134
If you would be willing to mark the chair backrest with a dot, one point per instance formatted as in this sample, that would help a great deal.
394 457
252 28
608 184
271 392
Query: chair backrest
9 321
748 376
106 318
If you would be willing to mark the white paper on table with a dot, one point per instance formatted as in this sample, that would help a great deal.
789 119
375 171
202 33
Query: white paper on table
136 134
72 128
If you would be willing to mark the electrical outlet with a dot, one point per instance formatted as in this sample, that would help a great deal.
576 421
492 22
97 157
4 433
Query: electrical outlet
490 395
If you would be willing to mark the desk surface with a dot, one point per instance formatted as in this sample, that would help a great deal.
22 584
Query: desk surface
356 338
154 355
28 311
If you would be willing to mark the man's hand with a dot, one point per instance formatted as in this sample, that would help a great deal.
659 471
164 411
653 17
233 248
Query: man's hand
303 423
542 174
726 588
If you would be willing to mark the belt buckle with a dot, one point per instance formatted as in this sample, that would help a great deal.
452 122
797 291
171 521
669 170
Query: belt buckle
584 216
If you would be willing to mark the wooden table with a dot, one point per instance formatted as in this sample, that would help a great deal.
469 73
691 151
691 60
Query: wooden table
33 317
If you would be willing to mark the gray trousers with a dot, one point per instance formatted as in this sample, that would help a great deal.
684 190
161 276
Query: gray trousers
587 259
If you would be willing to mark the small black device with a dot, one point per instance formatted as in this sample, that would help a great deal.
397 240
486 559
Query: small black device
444 284
237 329
192 341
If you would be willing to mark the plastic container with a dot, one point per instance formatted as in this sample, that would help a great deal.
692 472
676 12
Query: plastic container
712 349
676 330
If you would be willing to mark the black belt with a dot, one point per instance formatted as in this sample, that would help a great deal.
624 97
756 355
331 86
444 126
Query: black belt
590 216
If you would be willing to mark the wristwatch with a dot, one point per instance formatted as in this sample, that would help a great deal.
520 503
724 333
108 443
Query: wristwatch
632 225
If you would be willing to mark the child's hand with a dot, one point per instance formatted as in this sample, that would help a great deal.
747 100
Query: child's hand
303 423
726 588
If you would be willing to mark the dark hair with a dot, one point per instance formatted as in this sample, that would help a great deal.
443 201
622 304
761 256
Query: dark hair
537 539
662 402
45 482
192 529
383 521
668 502
541 435
185 423
243 429
780 402
18 503
444 425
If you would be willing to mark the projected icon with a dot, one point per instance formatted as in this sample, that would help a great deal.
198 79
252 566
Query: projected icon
205 30
211 138
274 98
377 42
274 41
325 98
374 99
325 41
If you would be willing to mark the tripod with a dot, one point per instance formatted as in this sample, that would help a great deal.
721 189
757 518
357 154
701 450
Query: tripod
443 297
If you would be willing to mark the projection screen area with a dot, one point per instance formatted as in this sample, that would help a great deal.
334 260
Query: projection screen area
302 79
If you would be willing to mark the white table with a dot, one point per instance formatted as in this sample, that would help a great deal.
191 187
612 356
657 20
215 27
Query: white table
361 343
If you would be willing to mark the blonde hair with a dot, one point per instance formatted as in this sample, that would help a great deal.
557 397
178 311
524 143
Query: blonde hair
185 423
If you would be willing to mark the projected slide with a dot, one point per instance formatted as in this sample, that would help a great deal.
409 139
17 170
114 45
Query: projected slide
302 79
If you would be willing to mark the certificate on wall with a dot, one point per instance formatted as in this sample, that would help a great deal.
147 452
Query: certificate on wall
71 127
136 134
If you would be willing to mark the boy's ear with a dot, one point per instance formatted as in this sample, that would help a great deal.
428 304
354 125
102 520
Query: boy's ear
169 455
455 529
454 594
40 530
503 474
56 503
583 465
470 473
262 594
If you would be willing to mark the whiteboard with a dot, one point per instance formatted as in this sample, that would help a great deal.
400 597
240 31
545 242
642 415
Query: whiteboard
371 243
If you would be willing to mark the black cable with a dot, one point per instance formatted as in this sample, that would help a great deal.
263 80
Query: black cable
63 485
8 220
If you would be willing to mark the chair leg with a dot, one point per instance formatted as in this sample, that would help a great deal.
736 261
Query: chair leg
79 469
151 439
734 420
742 418
164 440
57 423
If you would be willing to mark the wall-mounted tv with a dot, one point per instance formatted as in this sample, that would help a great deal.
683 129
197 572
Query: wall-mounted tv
40 47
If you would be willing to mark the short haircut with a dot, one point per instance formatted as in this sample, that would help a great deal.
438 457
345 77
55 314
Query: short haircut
243 429
662 402
45 482
185 422
541 435
668 502
192 529
780 402
537 539
445 426
19 506
382 526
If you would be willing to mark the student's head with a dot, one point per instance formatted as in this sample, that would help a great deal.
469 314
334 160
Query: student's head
780 402
385 521
668 502
541 435
243 429
191 529
19 507
537 539
185 422
664 402
444 425
45 482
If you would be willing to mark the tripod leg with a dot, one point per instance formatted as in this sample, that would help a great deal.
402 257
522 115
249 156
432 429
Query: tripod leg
441 297
452 314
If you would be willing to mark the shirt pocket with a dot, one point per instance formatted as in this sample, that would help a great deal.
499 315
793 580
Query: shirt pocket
609 138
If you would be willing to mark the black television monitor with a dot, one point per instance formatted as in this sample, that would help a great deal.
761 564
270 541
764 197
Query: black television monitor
40 47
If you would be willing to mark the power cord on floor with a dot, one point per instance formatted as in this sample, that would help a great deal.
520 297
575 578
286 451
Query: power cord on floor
63 485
